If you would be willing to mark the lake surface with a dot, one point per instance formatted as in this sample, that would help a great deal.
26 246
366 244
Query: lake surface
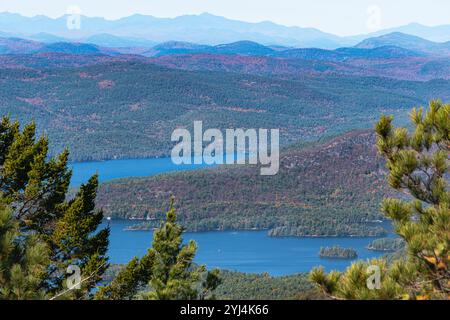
246 251
115 169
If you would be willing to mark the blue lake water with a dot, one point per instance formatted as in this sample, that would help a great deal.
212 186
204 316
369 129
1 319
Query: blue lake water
115 169
246 251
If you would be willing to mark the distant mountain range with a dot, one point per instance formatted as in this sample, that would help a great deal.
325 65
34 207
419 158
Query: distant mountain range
408 57
23 46
407 42
146 31
244 48
435 33
393 45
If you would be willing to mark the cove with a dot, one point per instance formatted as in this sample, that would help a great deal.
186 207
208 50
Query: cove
245 251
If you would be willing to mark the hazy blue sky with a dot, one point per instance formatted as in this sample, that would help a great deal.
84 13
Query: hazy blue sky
343 17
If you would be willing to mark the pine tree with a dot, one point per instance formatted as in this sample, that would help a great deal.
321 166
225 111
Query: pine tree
418 166
167 270
75 241
129 281
22 263
173 274
35 189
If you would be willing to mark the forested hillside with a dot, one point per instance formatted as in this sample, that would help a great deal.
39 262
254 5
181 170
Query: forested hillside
93 108
245 286
329 189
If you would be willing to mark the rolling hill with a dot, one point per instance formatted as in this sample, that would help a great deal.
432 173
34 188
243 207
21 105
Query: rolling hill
18 46
374 57
407 42
390 62
249 48
21 46
432 33
91 103
70 48
324 189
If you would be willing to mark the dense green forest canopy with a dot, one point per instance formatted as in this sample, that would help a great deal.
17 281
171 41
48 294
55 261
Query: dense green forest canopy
251 286
387 244
245 286
337 252
93 108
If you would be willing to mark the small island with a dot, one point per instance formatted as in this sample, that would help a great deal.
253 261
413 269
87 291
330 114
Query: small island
387 244
141 227
337 252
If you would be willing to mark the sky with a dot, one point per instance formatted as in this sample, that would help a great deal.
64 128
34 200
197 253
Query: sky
341 17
